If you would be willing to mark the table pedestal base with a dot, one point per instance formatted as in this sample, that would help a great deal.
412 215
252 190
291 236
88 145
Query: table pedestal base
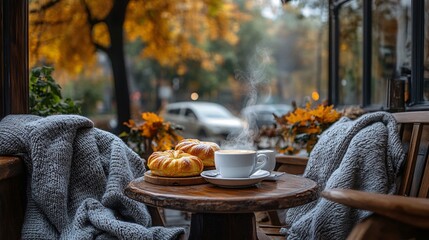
223 226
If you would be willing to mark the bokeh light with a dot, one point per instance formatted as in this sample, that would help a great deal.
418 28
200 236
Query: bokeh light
194 96
315 95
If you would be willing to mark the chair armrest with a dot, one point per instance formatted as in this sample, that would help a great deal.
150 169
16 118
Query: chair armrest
380 227
410 210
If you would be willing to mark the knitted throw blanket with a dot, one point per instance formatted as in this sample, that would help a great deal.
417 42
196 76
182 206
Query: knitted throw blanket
364 154
76 175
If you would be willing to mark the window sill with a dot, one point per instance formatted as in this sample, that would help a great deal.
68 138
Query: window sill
10 166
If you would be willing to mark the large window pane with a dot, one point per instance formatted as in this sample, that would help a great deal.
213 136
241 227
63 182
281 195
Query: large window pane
350 47
390 45
242 53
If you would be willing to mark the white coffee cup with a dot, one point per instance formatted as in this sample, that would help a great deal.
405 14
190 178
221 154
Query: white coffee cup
270 164
238 163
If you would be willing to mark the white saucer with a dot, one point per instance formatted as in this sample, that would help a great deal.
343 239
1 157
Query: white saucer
274 176
211 177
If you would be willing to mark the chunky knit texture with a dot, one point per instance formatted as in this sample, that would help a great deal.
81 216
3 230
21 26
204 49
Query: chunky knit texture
76 175
364 154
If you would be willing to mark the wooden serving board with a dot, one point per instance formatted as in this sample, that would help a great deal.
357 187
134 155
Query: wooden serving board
173 181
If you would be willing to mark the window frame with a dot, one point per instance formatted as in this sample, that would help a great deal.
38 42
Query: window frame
416 90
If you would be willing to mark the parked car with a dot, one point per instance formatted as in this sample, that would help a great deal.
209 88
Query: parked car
263 114
203 120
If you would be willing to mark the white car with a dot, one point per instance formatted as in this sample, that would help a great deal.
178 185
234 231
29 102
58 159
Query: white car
203 120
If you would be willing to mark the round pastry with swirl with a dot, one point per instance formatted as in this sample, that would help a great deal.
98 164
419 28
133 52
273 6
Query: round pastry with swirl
203 150
174 163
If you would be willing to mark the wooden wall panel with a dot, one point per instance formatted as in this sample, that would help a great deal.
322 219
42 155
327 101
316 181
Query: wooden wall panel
14 93
14 57
2 81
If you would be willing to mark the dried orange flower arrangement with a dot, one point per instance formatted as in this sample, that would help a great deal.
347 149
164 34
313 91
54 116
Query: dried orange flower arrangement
300 128
150 135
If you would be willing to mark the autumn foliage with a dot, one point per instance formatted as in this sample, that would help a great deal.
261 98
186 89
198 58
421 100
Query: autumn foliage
300 129
67 33
151 134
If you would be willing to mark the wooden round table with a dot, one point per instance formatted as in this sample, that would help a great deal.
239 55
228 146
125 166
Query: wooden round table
225 213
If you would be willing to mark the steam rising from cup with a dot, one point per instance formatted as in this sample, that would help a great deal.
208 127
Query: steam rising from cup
255 76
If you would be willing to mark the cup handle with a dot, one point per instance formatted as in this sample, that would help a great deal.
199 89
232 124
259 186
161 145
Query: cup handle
261 159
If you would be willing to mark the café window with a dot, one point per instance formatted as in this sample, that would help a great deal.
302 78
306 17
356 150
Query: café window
376 54
350 49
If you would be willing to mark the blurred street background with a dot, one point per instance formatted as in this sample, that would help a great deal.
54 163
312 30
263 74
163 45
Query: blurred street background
121 58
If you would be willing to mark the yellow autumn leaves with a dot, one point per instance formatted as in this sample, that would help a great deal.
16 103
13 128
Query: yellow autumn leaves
67 32
300 128
151 134
313 119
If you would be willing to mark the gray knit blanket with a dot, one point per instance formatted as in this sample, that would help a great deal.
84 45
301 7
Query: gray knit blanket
364 154
76 175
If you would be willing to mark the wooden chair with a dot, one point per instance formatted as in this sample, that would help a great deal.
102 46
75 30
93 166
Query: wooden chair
405 215
396 217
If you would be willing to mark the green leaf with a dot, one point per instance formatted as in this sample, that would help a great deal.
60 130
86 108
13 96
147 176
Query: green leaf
45 94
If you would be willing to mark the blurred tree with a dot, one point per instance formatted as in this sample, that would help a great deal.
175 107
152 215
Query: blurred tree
205 77
298 61
67 33
208 79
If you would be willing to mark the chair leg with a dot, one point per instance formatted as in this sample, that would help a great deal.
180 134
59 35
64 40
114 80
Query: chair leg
262 217
274 218
157 214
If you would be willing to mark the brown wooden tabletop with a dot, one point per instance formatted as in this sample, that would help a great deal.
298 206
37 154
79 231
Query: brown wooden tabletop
225 213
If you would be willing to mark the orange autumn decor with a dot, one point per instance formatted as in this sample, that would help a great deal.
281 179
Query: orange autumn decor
300 128
151 134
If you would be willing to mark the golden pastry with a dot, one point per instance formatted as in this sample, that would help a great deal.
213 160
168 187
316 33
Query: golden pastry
174 163
203 150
